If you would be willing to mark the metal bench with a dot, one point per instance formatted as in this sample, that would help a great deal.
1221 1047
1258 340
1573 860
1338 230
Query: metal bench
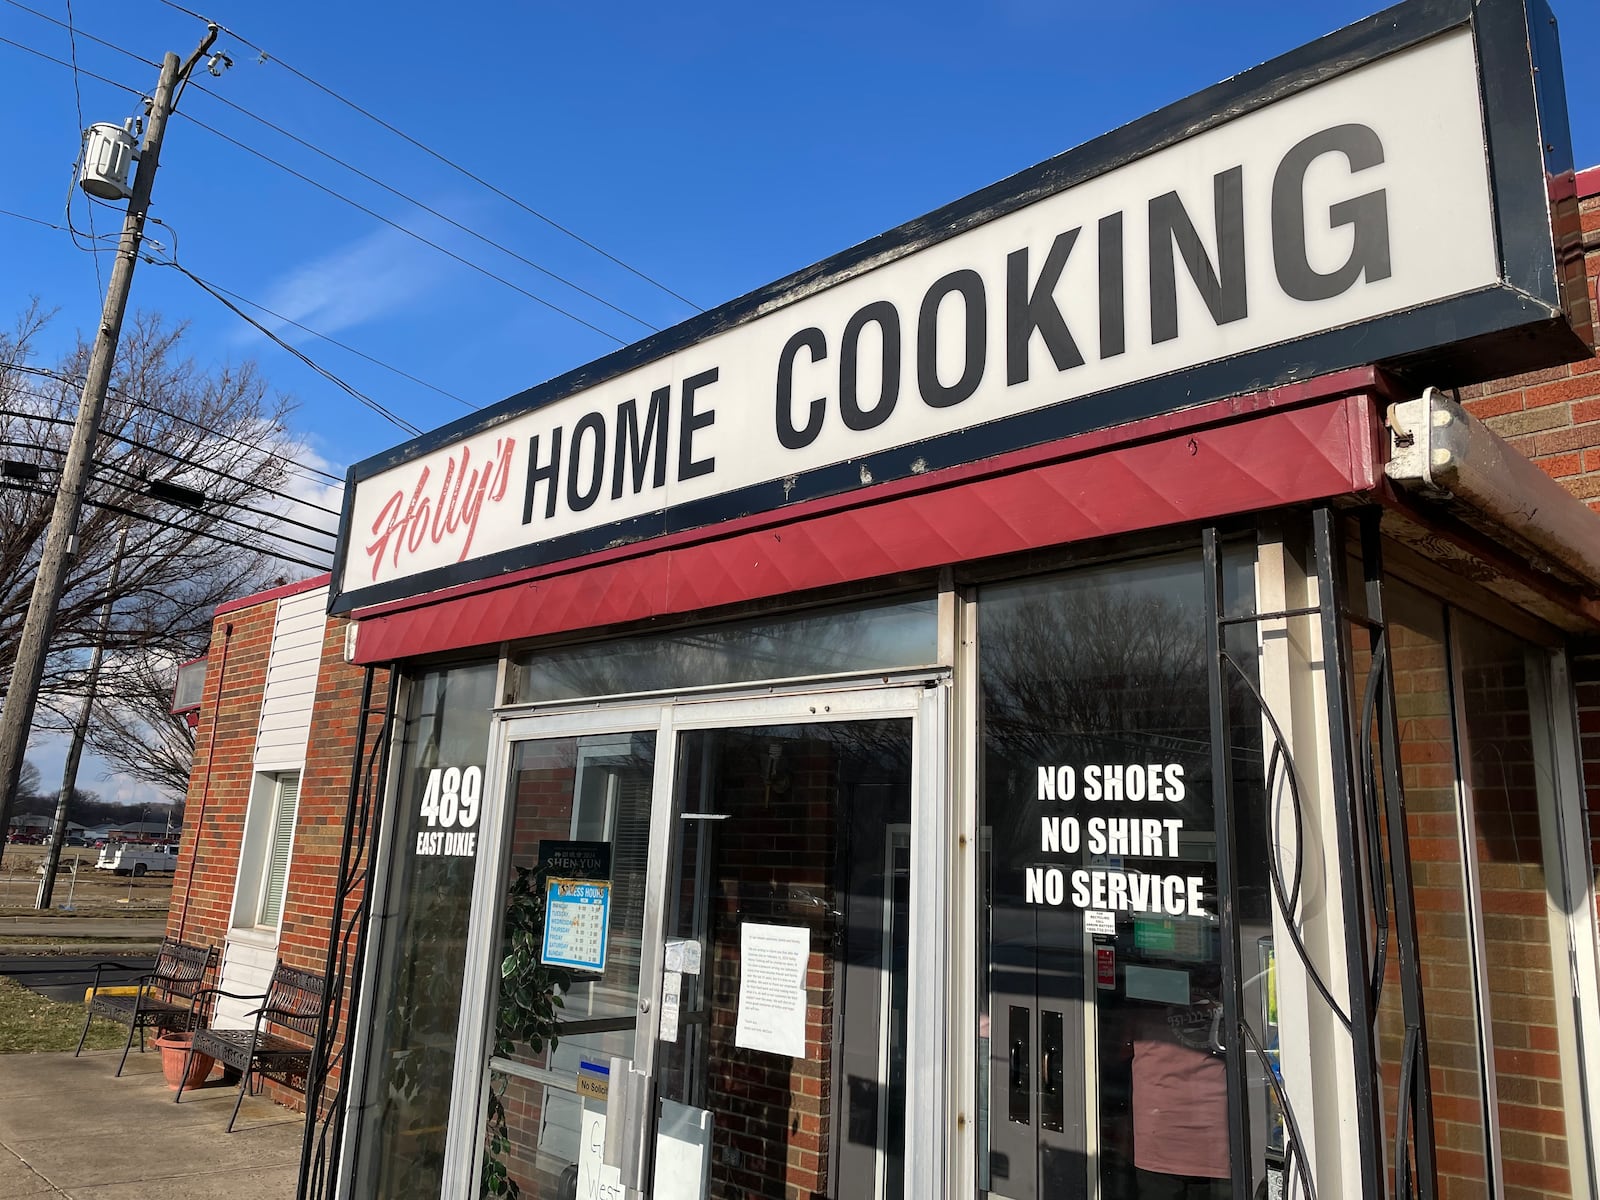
292 1004
165 1001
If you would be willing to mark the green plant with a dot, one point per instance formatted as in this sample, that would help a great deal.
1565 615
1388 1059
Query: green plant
530 995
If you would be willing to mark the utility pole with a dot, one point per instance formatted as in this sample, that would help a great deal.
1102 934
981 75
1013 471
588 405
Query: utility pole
69 776
60 543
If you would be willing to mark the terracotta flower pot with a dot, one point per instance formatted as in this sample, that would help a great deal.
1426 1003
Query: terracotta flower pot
174 1051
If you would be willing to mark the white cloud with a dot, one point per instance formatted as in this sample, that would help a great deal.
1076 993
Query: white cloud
370 278
48 752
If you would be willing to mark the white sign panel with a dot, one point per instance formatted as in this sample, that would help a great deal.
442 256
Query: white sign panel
772 989
1348 200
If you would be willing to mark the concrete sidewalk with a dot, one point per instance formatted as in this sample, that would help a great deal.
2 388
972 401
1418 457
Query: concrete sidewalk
67 1128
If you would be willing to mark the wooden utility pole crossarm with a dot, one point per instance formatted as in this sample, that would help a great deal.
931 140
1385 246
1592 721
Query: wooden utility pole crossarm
16 717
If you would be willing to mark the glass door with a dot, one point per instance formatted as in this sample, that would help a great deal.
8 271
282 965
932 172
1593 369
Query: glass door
698 948
781 1055
558 934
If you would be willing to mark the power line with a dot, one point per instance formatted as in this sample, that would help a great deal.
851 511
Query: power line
164 524
211 513
143 447
77 381
280 460
61 62
432 153
333 341
362 397
433 212
77 96
6 212
340 162
395 225
399 422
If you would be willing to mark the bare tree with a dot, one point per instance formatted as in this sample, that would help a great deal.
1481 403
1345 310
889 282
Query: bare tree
193 461
28 784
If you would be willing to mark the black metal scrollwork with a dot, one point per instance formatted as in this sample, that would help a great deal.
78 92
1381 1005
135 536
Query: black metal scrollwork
325 1105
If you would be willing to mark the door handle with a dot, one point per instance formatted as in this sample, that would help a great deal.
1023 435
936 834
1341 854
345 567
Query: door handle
1019 1081
1052 1050
628 1123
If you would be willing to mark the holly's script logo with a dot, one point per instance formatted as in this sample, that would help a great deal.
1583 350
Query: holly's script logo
442 515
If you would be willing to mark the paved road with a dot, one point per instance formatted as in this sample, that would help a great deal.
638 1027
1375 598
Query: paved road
64 976
85 928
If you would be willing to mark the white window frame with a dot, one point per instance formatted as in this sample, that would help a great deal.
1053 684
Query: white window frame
255 852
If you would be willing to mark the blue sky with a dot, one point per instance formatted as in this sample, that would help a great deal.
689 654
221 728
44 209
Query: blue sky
712 147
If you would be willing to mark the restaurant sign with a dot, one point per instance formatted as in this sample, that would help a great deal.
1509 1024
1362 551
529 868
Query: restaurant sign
1390 194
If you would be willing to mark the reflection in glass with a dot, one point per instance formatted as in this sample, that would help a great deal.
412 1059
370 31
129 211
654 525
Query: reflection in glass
423 919
828 642
550 1022
1420 663
802 829
1510 777
1101 1055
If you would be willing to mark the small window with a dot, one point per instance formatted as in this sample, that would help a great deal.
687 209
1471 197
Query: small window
286 801
264 857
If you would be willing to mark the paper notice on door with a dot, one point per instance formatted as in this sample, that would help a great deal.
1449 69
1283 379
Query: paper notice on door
671 989
591 1151
683 1152
772 989
1096 921
609 1186
683 955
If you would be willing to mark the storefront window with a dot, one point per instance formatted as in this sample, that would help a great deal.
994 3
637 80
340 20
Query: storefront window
1440 860
1102 1049
1477 778
823 642
421 924
1510 780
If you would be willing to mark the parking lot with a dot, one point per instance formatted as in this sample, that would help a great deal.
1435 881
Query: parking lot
79 887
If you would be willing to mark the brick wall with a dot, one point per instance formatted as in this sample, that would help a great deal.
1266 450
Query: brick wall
1506 848
1522 963
220 784
774 1114
1553 415
1428 775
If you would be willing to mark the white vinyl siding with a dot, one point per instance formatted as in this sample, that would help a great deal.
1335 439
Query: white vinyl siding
247 963
291 684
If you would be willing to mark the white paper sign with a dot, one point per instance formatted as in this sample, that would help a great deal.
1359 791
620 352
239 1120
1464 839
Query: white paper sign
683 955
772 989
591 1151
680 1167
1097 921
671 987
609 1185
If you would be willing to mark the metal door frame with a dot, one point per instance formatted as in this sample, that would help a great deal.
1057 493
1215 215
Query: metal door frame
916 695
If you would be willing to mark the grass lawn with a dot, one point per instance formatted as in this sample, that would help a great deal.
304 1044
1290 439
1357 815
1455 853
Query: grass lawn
31 1023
